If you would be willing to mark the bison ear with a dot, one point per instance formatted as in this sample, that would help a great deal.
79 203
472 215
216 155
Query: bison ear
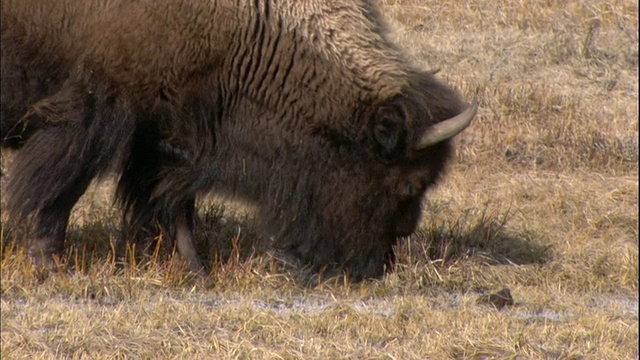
389 130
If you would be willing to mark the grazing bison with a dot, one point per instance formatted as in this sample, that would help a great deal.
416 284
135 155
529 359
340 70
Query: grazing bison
305 108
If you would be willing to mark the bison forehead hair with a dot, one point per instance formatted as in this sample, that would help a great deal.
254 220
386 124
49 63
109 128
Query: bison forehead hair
304 107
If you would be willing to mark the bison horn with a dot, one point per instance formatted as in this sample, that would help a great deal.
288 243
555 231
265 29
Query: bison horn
448 128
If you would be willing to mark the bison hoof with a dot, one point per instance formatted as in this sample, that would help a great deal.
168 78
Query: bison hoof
46 253
48 261
193 265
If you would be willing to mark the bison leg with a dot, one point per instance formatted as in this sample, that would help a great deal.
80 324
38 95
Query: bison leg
149 219
148 214
82 132
45 183
184 237
47 244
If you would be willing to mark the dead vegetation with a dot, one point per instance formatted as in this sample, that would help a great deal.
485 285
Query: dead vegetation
542 199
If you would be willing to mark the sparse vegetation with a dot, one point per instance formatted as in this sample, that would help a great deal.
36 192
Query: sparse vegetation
542 199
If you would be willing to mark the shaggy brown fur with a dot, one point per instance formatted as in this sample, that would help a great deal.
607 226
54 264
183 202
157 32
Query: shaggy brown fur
303 107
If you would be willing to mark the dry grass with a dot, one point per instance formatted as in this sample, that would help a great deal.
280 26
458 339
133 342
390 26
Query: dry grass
542 199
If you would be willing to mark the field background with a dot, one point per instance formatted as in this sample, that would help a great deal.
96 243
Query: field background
542 199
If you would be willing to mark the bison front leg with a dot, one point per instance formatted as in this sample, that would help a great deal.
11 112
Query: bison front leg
149 213
174 224
184 238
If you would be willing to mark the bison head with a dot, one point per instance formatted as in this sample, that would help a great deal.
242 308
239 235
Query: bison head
342 202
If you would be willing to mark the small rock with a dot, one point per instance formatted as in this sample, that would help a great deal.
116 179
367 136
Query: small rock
419 27
498 299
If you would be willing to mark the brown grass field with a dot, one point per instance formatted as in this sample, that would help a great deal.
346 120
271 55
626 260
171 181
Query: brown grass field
542 199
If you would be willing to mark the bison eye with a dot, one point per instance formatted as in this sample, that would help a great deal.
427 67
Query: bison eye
388 130
412 188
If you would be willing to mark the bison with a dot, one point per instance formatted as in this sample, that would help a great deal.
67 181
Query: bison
305 108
